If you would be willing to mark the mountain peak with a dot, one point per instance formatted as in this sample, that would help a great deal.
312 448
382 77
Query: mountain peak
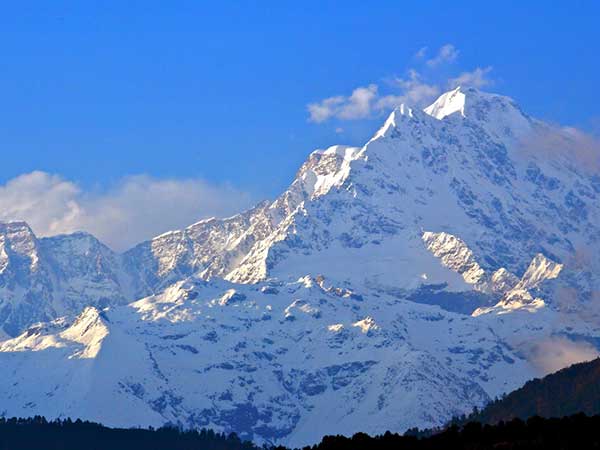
499 115
448 103
468 101
400 113
15 226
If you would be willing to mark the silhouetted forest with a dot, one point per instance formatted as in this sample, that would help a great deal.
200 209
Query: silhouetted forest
575 389
574 432
39 434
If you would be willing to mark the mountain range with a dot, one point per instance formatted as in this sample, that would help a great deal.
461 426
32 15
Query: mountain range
447 261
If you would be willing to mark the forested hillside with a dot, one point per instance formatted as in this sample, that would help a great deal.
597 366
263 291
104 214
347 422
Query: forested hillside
575 389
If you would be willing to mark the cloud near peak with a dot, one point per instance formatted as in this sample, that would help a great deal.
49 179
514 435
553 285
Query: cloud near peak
477 78
136 208
364 102
415 90
447 53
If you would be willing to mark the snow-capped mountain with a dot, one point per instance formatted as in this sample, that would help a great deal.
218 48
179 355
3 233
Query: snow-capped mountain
273 361
42 279
390 286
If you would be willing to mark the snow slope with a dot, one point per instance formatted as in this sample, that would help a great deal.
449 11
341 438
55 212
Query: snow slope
274 361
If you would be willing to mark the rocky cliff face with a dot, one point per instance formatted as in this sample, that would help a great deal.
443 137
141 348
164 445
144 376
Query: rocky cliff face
42 279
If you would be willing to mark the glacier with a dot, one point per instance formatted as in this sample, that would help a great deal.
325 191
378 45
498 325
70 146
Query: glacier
390 286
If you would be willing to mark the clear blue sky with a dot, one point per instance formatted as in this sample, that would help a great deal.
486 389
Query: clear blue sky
95 91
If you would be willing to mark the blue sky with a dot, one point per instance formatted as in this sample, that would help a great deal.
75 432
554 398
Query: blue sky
93 93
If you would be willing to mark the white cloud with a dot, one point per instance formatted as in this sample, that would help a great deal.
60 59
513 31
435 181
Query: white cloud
477 78
135 209
414 92
355 106
447 53
421 53
555 353
325 109
358 105
364 102
416 89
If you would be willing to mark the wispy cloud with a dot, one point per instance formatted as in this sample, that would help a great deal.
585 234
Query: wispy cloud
421 53
136 208
364 102
477 78
570 145
447 53
555 353
356 106
413 89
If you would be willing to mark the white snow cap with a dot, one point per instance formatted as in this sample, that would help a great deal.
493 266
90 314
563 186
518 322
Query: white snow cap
500 116
394 119
448 103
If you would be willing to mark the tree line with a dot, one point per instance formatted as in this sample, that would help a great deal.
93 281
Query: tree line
574 432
